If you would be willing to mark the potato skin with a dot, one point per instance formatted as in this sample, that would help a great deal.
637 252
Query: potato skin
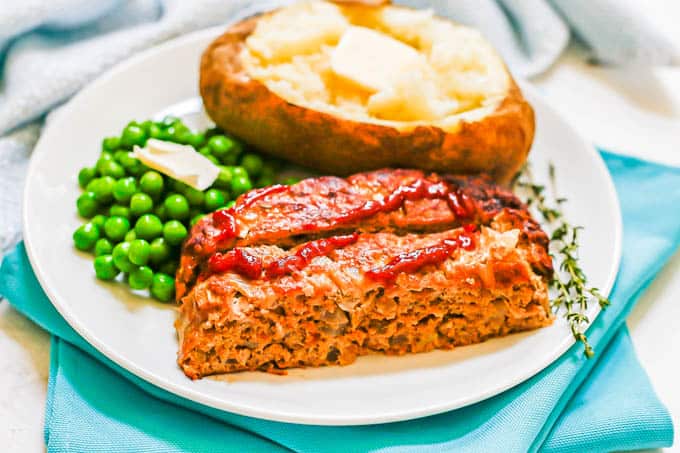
498 144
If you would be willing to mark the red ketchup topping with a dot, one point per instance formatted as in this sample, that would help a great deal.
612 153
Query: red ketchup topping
236 260
413 261
247 265
226 223
225 220
306 253
458 202
257 195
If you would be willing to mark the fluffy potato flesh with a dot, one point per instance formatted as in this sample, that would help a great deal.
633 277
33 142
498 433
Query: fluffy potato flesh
344 88
449 72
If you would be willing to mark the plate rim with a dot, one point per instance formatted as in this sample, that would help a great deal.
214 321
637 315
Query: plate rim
283 416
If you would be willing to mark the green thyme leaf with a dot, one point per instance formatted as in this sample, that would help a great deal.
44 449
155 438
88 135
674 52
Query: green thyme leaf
572 293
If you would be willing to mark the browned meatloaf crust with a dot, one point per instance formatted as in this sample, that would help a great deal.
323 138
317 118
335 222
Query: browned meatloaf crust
333 308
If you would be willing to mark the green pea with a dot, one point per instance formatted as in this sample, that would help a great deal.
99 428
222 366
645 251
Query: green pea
169 120
176 206
85 175
130 236
105 156
224 178
159 251
195 219
103 188
163 287
264 181
140 277
194 196
168 134
183 136
238 171
133 135
214 199
196 139
146 125
155 131
205 150
252 163
140 204
226 149
159 211
104 159
119 211
127 159
178 186
174 232
113 169
118 155
214 160
230 204
148 227
86 236
151 183
104 267
103 247
134 166
120 257
240 185
124 189
177 133
139 252
87 204
116 227
230 159
110 143
99 220
91 185
220 145
290 181
169 268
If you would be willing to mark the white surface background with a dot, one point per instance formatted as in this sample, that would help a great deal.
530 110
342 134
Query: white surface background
631 111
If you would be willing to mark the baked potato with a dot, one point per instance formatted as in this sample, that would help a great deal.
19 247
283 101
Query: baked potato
344 87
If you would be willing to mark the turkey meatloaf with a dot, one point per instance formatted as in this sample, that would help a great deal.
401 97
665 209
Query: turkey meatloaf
326 270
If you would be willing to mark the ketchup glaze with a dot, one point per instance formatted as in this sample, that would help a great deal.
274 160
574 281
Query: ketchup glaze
459 203
241 262
225 220
411 262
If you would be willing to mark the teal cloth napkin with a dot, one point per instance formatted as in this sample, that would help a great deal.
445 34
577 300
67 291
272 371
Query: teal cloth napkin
602 404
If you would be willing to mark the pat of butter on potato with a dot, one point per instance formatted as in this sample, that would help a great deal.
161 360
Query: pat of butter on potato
372 59
181 162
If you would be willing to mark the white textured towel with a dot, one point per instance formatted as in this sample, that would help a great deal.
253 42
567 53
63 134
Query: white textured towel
51 48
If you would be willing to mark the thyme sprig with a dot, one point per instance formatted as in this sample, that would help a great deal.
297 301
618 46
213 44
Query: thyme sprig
570 284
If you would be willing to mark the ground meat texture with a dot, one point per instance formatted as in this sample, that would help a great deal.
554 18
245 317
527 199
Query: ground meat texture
329 312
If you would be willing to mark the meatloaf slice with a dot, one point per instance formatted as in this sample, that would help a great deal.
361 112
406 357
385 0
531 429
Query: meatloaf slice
391 282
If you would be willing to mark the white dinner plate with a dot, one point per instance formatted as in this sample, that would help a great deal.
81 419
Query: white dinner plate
138 334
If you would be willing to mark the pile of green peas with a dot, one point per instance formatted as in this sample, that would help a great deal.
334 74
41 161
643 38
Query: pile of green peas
138 217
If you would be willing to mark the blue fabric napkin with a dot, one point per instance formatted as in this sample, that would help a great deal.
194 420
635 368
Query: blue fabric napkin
605 403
